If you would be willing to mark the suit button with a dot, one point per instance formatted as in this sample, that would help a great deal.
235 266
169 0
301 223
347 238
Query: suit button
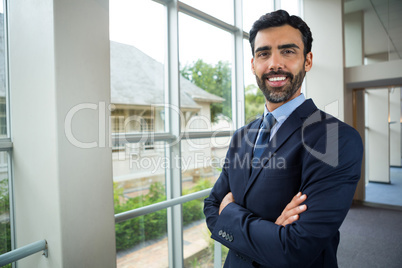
230 238
220 232
224 234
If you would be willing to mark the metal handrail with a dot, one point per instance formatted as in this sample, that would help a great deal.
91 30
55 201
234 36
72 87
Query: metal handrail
127 215
22 252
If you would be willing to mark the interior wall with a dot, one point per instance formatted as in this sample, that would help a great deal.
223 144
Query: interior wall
354 45
324 82
377 135
395 126
60 92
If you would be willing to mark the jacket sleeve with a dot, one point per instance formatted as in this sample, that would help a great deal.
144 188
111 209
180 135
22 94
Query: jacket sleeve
329 186
218 192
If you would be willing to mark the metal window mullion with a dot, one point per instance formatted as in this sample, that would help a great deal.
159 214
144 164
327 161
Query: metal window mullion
11 201
206 134
142 137
238 109
6 64
6 144
131 214
173 150
195 13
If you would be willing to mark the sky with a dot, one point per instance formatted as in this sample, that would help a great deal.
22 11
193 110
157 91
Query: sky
142 23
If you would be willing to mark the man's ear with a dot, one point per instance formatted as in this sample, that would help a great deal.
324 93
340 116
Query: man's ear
252 65
308 63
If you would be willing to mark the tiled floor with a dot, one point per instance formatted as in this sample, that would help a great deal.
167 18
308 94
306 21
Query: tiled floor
389 194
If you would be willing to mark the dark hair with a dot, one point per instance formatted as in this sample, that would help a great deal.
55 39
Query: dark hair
280 18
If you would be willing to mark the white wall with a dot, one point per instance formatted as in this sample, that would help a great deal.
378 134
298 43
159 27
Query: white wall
395 126
59 58
377 135
324 82
354 45
373 72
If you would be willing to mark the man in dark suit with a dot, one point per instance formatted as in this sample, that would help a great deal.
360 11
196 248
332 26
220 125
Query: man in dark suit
255 206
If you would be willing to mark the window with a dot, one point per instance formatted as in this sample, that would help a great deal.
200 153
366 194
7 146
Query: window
6 204
177 98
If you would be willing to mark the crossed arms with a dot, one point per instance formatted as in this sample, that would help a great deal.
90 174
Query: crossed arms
307 226
288 215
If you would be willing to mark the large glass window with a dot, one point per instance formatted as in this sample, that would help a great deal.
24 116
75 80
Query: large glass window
154 162
137 59
253 9
254 100
222 9
206 61
5 227
6 217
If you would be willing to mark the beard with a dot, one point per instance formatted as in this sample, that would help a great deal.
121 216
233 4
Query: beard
284 93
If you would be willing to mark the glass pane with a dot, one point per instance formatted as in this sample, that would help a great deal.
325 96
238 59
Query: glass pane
197 244
5 231
202 161
138 168
206 75
291 6
137 65
222 9
3 95
142 242
254 100
139 180
253 10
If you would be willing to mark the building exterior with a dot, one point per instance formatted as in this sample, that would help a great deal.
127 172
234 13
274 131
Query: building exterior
138 101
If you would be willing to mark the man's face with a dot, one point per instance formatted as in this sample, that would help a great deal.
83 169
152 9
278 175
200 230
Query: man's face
279 63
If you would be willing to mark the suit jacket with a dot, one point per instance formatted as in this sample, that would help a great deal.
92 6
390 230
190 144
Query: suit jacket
312 152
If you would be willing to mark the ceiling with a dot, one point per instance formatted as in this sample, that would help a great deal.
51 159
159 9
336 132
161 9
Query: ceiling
382 25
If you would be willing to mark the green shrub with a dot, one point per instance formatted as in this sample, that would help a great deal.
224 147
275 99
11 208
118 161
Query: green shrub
152 226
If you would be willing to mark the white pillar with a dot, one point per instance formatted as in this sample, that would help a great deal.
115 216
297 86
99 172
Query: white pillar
59 61
377 135
324 82
395 126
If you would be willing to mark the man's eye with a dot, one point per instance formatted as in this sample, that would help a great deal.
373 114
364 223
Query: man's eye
288 51
263 54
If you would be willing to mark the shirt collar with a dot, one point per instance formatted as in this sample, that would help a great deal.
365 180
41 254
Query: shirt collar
282 112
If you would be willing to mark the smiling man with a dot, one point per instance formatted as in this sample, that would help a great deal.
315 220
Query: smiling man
286 214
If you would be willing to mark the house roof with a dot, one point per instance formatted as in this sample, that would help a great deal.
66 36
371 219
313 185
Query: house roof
138 79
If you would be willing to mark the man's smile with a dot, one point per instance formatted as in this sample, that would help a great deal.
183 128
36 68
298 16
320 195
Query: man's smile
277 80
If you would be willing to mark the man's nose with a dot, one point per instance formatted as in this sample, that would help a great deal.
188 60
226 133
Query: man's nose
275 62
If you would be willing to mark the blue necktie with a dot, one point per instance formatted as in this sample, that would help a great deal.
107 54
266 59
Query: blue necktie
263 140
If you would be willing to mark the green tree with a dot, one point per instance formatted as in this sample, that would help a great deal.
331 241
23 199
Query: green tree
215 79
5 229
254 103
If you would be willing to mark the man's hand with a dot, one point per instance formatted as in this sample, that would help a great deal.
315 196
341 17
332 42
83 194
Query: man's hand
292 210
226 201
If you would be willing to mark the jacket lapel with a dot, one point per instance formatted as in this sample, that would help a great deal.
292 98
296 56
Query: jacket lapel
291 124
